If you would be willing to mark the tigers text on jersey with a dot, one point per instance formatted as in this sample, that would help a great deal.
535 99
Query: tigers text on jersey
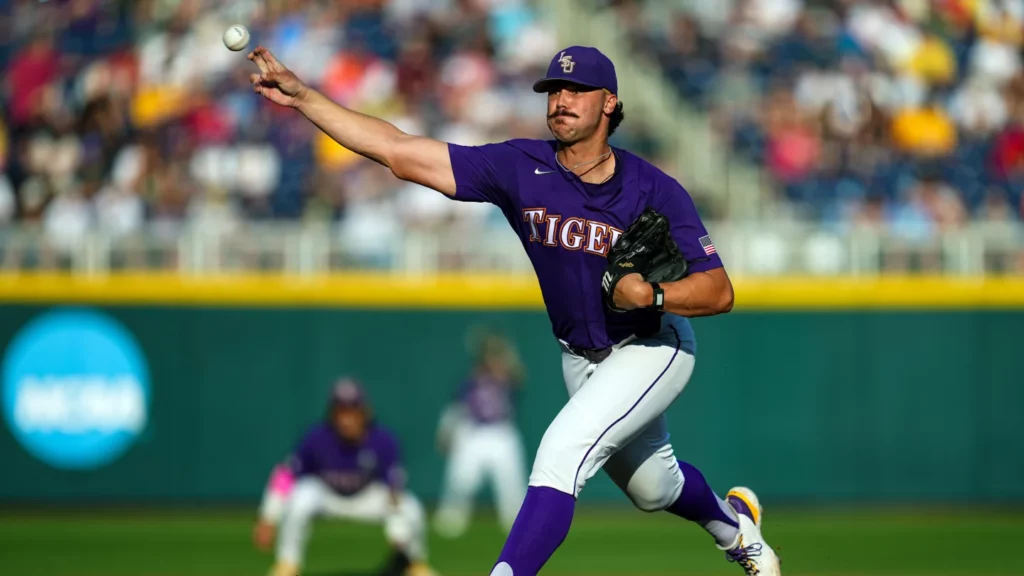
567 227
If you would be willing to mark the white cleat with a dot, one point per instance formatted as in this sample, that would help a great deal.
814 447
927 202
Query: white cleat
750 550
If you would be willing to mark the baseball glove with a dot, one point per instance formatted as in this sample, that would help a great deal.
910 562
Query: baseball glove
645 247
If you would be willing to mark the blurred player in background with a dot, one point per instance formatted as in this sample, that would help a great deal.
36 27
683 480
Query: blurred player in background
479 435
347 467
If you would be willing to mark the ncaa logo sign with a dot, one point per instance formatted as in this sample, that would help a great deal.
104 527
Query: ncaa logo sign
75 389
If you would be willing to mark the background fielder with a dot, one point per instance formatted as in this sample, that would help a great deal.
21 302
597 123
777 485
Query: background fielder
348 467
568 199
479 435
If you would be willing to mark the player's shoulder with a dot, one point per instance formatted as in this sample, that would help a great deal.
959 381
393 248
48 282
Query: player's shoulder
522 149
644 168
318 432
533 147
658 185
382 437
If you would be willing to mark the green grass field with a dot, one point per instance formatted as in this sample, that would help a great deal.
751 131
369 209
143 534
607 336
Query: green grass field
602 543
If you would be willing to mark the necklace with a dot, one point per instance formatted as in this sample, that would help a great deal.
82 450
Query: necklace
601 157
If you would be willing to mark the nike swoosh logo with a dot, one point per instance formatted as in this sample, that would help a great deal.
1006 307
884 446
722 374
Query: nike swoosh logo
538 172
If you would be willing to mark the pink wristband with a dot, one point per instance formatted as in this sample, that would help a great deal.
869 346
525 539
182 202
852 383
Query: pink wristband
281 480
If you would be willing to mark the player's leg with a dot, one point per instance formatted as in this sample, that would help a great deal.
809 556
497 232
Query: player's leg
508 473
406 530
623 395
654 480
646 469
305 502
404 523
466 466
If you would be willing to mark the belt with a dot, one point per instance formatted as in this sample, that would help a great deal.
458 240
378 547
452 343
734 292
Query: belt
596 355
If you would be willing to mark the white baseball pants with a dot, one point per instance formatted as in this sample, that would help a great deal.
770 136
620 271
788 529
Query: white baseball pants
404 525
615 419
482 452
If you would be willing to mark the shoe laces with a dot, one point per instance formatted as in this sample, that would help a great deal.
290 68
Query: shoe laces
744 556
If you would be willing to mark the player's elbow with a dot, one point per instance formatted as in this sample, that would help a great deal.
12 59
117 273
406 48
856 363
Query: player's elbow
393 155
407 156
725 295
421 161
726 298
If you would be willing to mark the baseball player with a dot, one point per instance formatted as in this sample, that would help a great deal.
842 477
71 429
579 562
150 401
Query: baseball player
628 348
348 468
482 441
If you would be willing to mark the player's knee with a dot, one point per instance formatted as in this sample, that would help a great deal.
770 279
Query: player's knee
558 472
304 500
411 509
567 457
404 529
655 485
650 500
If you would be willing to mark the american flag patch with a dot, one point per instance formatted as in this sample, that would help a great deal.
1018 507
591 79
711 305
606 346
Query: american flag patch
709 246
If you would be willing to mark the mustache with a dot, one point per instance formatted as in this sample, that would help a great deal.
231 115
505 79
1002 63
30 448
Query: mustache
565 113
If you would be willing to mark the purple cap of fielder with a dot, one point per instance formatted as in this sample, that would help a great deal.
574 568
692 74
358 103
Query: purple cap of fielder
347 393
581 65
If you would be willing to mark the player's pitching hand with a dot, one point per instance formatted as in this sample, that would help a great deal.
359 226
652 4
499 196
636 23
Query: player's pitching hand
263 535
632 292
275 82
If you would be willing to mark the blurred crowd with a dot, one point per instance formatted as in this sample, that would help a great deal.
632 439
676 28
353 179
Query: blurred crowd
902 115
132 113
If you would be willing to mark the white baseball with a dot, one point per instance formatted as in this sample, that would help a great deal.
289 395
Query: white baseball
236 37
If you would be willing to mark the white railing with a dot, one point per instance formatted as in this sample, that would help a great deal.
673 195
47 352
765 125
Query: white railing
749 250
703 159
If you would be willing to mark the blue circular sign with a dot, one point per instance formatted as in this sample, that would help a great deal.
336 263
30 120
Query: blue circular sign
75 389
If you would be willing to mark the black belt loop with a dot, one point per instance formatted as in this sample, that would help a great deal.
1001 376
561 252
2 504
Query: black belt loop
594 355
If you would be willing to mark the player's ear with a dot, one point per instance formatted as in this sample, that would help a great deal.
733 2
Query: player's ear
610 101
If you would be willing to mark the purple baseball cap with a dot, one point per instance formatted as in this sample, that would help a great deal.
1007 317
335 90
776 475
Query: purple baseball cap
580 65
347 393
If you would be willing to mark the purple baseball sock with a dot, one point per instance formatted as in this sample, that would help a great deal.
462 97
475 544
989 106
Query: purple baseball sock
541 526
699 503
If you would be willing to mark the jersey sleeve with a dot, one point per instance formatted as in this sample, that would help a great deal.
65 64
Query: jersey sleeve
481 172
675 203
303 460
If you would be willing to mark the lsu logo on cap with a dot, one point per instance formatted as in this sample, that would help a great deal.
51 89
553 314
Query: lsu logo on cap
75 389
566 61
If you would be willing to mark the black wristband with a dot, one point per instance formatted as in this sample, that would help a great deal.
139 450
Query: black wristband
659 296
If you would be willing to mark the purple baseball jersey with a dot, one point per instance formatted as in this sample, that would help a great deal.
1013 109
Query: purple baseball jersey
348 468
486 399
567 227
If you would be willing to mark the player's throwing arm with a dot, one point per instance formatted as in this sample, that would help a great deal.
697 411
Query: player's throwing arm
416 159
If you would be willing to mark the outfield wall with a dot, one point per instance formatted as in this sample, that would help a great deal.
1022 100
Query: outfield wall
828 391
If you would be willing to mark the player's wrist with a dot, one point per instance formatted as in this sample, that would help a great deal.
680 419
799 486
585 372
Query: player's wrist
301 98
643 293
657 299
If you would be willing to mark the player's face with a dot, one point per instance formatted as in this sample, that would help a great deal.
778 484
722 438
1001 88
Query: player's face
576 113
497 367
350 423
